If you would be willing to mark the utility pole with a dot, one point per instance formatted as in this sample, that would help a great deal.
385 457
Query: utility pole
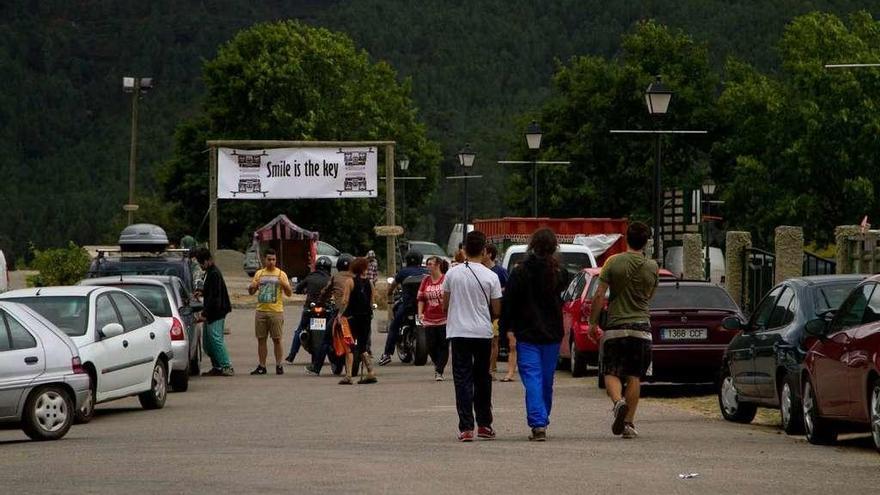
132 158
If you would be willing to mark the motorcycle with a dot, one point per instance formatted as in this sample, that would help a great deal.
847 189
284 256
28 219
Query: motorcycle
412 344
320 320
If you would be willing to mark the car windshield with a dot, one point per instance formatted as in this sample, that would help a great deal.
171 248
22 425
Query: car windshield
68 313
832 296
573 262
154 297
427 248
674 296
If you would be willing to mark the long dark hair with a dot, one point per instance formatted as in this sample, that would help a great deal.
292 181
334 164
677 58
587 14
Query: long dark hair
543 246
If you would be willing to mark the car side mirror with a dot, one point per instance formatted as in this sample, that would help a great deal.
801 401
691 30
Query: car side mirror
816 328
732 323
111 330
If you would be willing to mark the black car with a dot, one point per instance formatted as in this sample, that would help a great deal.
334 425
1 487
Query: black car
173 262
762 364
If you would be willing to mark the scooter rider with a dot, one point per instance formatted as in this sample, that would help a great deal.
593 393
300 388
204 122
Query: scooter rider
311 286
413 260
334 290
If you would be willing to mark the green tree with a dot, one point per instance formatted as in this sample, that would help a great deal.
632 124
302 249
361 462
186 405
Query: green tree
59 266
290 81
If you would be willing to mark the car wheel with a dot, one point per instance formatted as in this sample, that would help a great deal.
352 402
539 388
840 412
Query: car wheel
87 411
155 397
48 413
180 380
578 362
818 430
790 407
728 401
875 414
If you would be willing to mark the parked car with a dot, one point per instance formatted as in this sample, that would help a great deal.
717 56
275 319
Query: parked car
42 380
762 364
325 249
4 273
425 248
252 261
841 377
455 238
572 257
168 299
579 350
124 348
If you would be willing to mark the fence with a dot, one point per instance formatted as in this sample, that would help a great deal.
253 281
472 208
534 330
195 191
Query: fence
758 274
815 265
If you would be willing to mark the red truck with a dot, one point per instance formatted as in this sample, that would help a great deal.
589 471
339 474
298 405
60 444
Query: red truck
503 232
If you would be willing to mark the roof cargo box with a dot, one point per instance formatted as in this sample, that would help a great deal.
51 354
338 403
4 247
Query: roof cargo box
143 237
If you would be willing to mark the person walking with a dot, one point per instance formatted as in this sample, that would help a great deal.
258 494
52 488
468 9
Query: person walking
336 293
269 284
312 286
532 311
489 262
215 298
472 298
625 349
372 267
407 304
432 315
359 312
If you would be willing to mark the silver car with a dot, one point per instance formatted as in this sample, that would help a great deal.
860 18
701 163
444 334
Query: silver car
167 298
42 380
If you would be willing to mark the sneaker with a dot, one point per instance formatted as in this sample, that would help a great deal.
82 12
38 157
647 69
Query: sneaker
629 431
213 372
345 381
385 359
261 370
310 370
279 370
619 414
538 435
289 359
366 380
438 377
228 371
486 433
466 436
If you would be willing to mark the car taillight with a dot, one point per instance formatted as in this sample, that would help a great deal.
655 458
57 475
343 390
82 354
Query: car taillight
319 309
77 366
176 329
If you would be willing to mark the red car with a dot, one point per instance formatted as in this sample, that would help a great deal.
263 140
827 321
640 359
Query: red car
841 375
579 349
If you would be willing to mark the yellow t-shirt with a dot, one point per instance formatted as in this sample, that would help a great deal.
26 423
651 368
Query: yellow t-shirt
269 289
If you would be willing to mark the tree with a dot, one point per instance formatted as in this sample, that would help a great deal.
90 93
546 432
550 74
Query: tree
289 81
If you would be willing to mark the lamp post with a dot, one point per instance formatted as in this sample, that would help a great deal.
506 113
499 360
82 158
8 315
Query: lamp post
708 190
533 139
466 159
657 98
136 86
403 163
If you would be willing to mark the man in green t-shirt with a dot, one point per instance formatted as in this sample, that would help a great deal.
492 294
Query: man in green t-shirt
631 279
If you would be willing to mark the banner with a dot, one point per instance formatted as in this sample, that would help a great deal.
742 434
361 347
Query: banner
296 173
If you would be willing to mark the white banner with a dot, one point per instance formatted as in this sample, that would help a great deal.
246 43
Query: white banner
296 173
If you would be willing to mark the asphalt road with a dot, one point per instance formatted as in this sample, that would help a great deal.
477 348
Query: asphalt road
300 434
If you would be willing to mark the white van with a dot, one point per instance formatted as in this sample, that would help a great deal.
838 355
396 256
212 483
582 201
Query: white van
455 238
675 263
4 273
572 257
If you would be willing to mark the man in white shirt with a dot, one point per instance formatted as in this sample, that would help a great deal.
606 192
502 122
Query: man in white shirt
472 298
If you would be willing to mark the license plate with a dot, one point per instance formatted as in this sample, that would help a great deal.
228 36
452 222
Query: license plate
685 333
318 324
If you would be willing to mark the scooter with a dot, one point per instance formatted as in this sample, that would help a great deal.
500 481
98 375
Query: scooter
412 344
320 318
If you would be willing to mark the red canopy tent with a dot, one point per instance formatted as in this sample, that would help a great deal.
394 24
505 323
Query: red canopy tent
296 248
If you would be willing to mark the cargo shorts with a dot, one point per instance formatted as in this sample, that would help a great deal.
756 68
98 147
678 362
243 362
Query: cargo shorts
268 324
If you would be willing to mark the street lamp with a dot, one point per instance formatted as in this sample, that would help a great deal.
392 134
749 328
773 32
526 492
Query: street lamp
403 163
657 97
533 139
136 86
708 190
466 159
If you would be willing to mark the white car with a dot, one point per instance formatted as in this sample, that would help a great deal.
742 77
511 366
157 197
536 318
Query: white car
124 348
572 257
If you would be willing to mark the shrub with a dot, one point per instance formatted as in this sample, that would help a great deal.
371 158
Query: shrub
59 266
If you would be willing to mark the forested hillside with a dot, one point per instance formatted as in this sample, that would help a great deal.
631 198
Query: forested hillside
477 69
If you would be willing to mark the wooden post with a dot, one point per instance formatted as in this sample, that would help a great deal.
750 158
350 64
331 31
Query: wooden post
390 241
212 200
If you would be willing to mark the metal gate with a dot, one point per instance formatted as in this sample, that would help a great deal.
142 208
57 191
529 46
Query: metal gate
814 265
759 267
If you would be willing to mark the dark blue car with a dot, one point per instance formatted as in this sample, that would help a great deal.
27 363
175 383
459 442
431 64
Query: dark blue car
761 366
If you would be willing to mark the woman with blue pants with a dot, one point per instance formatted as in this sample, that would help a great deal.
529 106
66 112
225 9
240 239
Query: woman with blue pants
532 310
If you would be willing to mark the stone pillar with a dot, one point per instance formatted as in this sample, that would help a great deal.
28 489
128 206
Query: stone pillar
692 257
842 233
737 243
789 253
